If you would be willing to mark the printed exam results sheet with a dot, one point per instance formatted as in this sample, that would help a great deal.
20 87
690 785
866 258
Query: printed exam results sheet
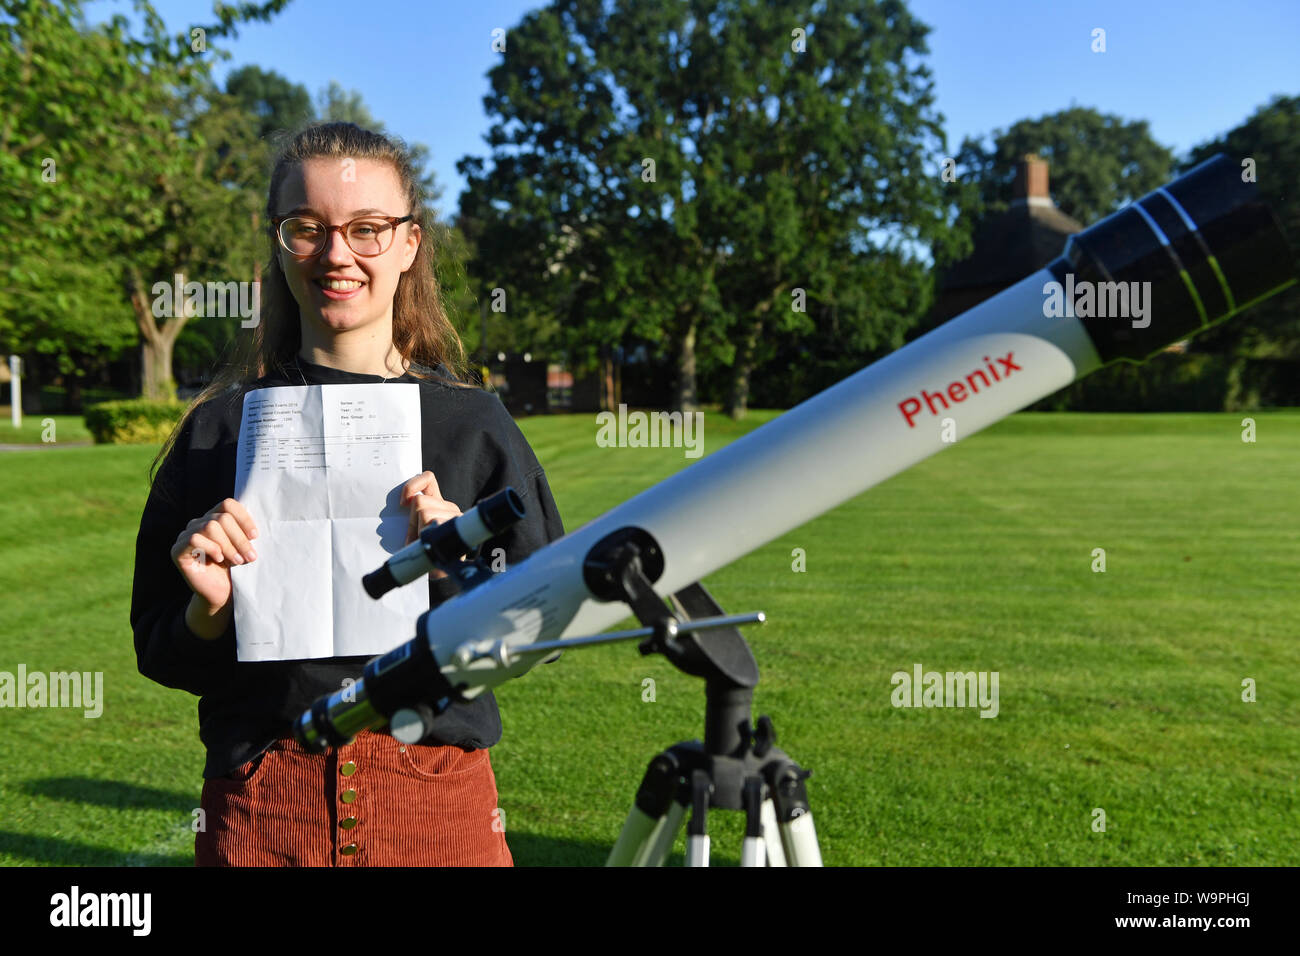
320 468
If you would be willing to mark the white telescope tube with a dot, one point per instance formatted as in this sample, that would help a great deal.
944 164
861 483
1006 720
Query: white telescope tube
1205 246
993 360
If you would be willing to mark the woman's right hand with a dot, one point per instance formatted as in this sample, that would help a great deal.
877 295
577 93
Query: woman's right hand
209 545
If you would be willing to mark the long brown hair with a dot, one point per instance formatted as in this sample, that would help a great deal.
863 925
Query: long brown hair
422 332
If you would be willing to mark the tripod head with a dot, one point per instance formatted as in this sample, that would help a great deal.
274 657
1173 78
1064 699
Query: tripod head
623 567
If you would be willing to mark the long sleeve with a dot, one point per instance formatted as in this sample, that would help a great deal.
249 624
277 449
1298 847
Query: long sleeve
518 467
167 651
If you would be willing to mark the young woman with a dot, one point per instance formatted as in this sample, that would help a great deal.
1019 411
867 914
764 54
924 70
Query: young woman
350 297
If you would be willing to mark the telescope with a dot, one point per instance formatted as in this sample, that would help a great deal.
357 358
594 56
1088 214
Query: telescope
1195 252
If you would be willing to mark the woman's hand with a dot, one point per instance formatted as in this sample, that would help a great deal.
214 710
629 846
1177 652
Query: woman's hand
208 547
427 507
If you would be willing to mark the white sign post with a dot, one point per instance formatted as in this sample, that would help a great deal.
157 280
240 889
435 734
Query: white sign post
15 391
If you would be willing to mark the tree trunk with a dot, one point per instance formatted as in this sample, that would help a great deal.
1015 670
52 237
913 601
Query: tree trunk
608 386
156 365
738 395
156 343
685 399
73 394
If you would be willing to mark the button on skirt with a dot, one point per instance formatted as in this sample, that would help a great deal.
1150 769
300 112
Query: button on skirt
373 802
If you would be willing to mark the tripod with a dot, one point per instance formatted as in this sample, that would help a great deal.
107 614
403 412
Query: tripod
736 767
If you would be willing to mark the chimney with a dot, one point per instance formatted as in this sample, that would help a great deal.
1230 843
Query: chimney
1031 182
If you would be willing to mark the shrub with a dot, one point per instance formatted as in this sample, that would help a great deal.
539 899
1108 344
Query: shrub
134 421
1167 382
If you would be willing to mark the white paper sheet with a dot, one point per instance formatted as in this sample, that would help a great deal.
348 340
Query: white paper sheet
320 468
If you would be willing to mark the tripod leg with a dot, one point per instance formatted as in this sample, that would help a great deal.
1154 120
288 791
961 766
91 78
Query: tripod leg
638 830
751 853
697 831
800 840
661 842
653 813
772 835
794 816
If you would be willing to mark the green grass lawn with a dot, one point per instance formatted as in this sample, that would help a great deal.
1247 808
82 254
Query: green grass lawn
37 429
1118 690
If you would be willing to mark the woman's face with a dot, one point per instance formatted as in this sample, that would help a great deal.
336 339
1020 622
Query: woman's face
335 191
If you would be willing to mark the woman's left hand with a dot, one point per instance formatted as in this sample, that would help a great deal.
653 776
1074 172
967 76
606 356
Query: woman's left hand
427 507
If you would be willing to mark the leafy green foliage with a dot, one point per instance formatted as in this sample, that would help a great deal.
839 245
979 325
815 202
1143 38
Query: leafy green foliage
120 165
278 103
779 162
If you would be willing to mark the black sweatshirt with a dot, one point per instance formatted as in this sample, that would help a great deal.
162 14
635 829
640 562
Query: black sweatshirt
470 443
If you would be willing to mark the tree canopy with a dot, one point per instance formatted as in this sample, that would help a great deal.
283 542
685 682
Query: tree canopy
109 181
710 177
122 165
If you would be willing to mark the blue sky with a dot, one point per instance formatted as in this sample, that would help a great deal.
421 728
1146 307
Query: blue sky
1192 68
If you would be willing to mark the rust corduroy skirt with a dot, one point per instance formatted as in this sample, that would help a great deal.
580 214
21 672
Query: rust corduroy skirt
373 802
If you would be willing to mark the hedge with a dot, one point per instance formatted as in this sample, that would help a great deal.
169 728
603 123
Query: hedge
134 421
1187 382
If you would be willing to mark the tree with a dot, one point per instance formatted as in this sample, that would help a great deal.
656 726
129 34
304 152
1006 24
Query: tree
57 177
334 104
686 173
277 102
1098 162
127 201
222 189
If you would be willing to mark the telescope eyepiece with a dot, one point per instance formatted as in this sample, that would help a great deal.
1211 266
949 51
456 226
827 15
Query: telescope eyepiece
443 544
500 511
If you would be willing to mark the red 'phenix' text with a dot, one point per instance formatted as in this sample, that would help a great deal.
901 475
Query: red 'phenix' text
959 390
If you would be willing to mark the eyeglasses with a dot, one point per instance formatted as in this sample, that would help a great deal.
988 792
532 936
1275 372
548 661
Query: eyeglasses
303 237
